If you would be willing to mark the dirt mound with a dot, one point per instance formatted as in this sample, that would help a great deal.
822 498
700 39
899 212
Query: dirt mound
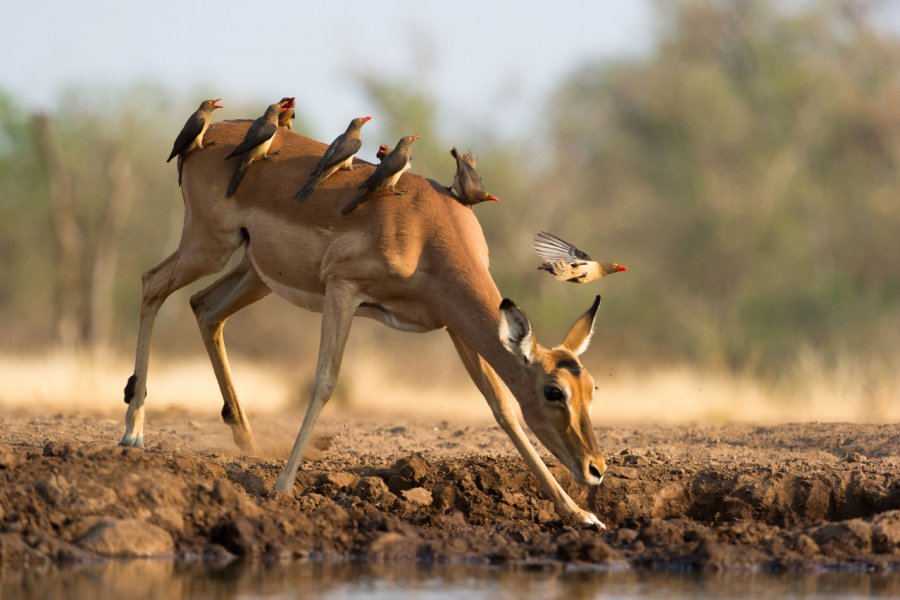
794 497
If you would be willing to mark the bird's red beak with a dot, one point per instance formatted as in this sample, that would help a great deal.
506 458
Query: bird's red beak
416 137
366 119
622 269
216 103
492 198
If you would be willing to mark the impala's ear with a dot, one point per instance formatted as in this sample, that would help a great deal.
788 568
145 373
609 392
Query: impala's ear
579 336
515 331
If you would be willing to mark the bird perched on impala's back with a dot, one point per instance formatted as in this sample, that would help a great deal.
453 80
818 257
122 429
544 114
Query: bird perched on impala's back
286 118
191 135
255 144
567 263
386 174
339 155
467 186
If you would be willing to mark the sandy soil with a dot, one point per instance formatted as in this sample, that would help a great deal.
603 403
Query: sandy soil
790 497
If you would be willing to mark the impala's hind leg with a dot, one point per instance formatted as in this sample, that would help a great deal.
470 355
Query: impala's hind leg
337 315
186 265
238 289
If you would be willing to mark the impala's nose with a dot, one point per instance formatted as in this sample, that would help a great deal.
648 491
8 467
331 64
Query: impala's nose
594 470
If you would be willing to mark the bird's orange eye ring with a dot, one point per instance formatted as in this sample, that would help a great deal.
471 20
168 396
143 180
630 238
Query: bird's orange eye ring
615 265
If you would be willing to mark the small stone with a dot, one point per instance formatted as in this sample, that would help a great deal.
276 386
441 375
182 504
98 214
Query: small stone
856 457
407 473
418 496
886 532
57 449
624 535
129 538
8 458
340 479
370 488
806 546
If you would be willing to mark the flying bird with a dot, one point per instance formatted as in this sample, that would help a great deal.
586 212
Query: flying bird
567 263
467 185
255 144
339 155
191 135
386 174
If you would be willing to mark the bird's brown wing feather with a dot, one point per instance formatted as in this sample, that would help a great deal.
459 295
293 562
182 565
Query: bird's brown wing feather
192 128
551 248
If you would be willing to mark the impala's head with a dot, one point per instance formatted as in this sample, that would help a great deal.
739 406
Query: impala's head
557 409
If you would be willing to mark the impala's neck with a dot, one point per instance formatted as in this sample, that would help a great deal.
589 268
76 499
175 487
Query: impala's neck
473 315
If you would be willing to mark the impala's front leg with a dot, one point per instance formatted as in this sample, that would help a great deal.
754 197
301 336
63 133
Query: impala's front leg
341 303
498 399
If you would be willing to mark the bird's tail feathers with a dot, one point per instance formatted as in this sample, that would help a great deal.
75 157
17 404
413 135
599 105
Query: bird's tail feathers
235 181
352 206
307 189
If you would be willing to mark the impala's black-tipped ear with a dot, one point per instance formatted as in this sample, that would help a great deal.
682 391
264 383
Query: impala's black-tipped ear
515 331
579 337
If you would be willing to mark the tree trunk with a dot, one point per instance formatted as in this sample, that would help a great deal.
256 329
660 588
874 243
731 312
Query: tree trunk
69 237
106 252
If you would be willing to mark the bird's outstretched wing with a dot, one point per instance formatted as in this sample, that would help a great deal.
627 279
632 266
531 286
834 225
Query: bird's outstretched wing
551 248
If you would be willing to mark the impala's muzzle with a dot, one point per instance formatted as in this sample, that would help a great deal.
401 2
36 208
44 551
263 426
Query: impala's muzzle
591 472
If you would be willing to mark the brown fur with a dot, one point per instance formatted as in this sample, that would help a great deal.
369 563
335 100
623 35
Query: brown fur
416 262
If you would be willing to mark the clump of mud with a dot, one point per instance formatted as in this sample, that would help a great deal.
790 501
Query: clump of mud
796 497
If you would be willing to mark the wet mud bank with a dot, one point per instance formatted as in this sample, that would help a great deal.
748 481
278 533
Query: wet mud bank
734 498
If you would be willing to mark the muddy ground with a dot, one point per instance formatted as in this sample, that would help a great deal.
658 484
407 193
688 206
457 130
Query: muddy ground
790 497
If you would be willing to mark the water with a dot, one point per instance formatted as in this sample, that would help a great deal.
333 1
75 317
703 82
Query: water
136 580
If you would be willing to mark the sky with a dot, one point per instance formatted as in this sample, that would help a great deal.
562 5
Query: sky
489 63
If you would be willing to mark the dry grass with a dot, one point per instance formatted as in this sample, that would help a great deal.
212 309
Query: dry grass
59 382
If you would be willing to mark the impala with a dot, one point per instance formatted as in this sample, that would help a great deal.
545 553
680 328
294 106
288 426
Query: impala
416 262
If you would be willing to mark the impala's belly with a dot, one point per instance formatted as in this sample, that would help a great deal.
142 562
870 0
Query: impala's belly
295 273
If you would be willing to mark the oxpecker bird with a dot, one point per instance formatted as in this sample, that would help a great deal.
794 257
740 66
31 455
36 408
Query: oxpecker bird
386 174
339 155
467 186
286 118
383 151
191 135
567 263
255 144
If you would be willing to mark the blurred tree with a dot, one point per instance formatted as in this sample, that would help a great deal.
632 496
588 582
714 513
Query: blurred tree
747 169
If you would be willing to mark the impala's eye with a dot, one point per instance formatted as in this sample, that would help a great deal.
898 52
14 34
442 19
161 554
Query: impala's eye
553 393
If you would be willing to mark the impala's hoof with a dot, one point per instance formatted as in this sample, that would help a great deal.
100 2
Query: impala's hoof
132 441
587 519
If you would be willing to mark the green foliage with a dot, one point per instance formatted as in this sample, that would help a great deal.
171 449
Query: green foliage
745 171
747 168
